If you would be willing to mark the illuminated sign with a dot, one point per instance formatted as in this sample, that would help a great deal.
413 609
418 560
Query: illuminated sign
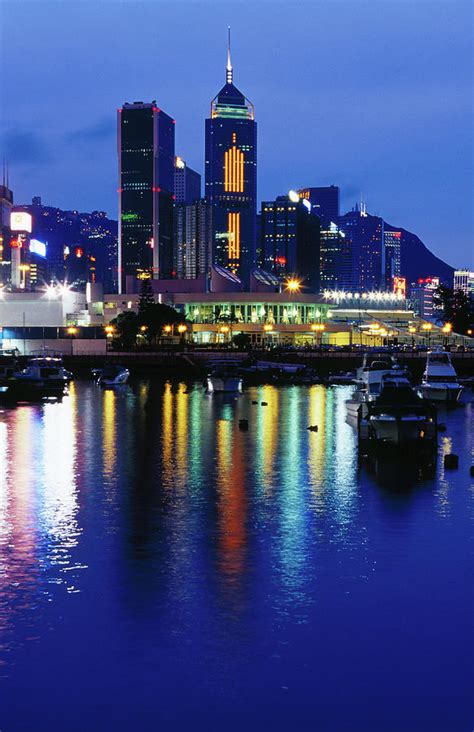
400 286
16 243
20 221
38 247
129 217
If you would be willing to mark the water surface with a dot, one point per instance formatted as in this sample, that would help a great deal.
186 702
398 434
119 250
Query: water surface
162 569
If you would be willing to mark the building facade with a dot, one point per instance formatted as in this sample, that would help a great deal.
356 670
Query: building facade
335 259
146 191
464 280
193 239
231 178
366 237
391 260
422 297
290 240
324 202
187 183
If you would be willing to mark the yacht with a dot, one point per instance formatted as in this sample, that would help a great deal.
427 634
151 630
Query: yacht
8 366
398 417
113 375
369 380
224 378
42 376
440 382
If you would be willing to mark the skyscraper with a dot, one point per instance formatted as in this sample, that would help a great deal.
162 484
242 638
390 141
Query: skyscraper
193 239
187 183
324 201
365 234
290 240
463 279
335 259
391 256
146 191
231 177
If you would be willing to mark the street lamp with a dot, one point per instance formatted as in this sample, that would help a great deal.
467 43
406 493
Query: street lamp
182 329
447 328
72 331
427 327
412 330
267 328
318 329
109 330
168 329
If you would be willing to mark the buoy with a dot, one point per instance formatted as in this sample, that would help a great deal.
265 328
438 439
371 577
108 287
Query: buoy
471 471
313 427
254 402
243 424
441 427
264 404
451 461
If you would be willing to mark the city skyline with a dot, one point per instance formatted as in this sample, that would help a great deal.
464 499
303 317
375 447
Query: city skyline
425 197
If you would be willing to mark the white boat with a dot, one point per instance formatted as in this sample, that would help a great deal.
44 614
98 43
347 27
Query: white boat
224 377
42 376
440 382
113 375
398 417
369 380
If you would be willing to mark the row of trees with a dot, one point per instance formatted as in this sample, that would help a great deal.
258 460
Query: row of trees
457 308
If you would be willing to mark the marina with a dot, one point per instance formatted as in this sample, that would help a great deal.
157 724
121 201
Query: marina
138 523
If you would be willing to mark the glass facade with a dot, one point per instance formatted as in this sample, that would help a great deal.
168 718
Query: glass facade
146 191
257 312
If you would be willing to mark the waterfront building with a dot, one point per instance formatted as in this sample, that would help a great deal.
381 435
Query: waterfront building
146 191
324 202
290 240
187 183
422 297
335 259
231 177
464 280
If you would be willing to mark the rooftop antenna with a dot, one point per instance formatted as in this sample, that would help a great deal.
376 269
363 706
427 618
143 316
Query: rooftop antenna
8 182
229 70
4 179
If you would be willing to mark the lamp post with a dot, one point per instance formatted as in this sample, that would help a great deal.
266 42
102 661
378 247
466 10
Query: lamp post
72 331
109 334
447 328
412 330
318 329
182 330
427 327
224 329
267 328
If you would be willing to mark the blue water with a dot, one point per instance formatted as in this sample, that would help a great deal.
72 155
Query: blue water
162 570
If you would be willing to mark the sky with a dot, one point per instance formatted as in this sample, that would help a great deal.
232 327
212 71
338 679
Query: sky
375 96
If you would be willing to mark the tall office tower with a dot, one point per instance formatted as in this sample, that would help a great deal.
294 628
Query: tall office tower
324 202
391 256
464 280
366 242
193 239
146 191
6 203
335 259
187 183
290 240
231 178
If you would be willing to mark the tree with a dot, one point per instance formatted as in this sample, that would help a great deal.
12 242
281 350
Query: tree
155 317
126 325
456 307
146 299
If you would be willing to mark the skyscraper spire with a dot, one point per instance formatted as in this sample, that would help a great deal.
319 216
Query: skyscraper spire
229 70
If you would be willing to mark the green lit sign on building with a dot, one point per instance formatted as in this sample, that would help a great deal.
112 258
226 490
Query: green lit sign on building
129 217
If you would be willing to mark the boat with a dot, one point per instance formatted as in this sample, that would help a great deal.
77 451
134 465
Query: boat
112 375
8 366
397 418
44 376
440 382
344 378
224 377
369 380
278 372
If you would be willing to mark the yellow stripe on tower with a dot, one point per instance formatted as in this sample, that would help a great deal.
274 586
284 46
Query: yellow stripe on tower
234 170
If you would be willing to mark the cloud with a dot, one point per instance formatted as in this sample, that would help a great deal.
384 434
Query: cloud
101 130
24 148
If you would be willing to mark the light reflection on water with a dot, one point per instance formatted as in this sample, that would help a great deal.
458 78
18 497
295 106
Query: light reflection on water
150 503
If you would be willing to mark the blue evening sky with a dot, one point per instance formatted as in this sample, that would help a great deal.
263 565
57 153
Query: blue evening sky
373 96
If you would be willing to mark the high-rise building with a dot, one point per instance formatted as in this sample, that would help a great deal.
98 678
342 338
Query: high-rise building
146 191
324 202
6 203
193 236
187 183
464 280
335 259
231 178
391 256
365 234
290 240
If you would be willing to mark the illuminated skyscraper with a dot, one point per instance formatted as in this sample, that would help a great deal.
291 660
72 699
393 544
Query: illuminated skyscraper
187 183
146 191
324 202
231 177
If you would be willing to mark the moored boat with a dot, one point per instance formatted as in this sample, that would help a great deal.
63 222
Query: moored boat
44 376
224 377
113 375
440 382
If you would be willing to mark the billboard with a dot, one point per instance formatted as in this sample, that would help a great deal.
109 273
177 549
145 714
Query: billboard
20 221
400 286
38 247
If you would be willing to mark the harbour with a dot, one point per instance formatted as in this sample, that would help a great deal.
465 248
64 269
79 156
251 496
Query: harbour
144 535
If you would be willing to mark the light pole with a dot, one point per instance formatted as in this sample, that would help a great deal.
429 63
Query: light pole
182 330
109 334
447 328
318 329
427 328
72 331
412 330
267 328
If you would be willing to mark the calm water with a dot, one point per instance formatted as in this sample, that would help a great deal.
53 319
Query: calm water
160 569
